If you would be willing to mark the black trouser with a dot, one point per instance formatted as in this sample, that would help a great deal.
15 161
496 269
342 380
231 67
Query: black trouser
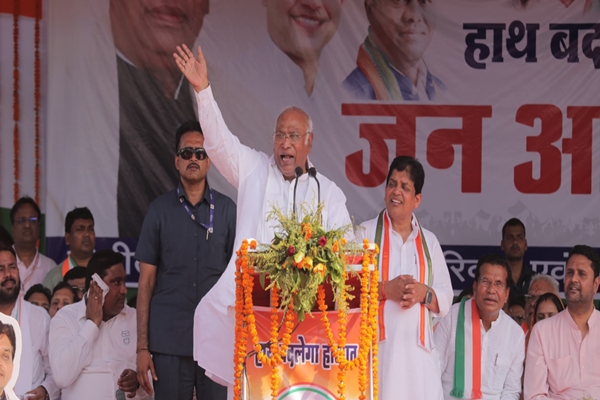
177 377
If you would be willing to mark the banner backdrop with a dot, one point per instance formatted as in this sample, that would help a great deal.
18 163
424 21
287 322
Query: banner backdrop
497 98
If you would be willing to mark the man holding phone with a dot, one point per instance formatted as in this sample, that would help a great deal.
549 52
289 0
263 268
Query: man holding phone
93 341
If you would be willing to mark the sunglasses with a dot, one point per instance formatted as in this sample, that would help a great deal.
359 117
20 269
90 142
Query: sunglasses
187 152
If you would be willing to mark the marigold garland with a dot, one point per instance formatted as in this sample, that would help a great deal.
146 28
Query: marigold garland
246 324
37 84
16 112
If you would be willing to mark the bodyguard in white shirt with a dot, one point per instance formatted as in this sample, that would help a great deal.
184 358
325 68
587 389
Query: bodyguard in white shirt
92 342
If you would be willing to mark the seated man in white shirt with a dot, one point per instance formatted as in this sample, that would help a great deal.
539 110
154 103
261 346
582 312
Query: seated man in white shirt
92 342
481 348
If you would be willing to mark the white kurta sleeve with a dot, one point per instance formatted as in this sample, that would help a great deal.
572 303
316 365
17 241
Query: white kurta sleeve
442 284
70 348
512 385
43 338
234 160
442 337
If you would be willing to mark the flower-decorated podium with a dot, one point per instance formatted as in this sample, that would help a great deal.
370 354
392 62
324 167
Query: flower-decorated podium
306 315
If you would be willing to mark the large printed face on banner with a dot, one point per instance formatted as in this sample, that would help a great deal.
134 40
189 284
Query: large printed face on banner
290 153
402 29
144 29
301 28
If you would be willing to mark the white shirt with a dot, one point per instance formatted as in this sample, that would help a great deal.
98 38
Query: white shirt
502 355
260 184
35 369
396 373
36 272
88 360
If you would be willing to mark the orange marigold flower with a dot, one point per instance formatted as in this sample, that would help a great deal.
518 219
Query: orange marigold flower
253 245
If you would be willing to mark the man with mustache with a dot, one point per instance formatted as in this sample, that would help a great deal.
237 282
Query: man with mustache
262 182
390 63
81 239
514 246
92 342
35 376
25 217
185 244
563 353
482 348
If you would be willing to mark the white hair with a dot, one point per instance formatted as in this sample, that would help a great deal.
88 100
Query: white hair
309 123
548 279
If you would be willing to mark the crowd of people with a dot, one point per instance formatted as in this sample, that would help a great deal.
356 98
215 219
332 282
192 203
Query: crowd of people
510 337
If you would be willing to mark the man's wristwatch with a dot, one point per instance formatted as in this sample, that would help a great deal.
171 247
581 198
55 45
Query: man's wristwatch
428 296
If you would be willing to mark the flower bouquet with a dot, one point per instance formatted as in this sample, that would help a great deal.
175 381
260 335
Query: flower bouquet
295 268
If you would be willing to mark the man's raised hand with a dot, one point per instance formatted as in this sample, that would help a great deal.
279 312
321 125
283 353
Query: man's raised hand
194 69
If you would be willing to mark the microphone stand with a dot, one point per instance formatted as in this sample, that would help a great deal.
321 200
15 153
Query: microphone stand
312 172
298 172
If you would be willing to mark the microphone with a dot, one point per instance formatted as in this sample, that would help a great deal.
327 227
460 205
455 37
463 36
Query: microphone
298 171
312 172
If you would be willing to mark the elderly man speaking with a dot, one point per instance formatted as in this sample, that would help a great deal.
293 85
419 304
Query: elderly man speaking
262 181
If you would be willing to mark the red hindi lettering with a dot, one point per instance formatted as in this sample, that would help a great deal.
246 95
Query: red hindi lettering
440 151
403 131
440 144
580 147
550 155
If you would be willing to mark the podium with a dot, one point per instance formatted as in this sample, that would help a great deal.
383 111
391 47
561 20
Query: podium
329 354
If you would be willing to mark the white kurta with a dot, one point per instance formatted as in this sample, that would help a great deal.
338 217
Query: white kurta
35 367
260 184
87 359
502 355
36 272
406 370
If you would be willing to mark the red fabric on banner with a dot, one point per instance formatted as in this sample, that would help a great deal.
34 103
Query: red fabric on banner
26 8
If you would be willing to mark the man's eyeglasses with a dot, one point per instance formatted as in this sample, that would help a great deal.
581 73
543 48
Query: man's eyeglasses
531 297
23 220
293 137
187 152
78 289
498 285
